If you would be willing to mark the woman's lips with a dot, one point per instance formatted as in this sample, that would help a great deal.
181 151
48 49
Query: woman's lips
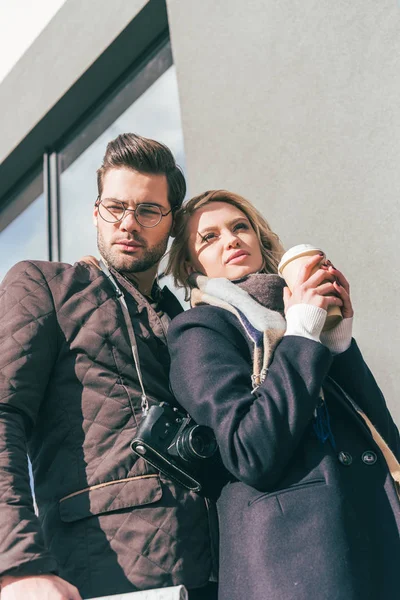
237 257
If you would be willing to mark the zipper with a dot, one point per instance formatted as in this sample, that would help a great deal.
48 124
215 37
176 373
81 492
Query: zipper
106 484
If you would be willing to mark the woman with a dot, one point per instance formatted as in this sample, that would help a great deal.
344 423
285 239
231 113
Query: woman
311 510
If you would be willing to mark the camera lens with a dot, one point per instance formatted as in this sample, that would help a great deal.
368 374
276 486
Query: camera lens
196 442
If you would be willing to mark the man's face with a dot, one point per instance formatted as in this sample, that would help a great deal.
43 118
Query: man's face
126 245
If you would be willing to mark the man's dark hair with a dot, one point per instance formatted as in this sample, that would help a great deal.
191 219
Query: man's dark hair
144 155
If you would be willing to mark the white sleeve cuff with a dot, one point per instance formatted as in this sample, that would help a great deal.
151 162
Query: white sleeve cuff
305 320
338 339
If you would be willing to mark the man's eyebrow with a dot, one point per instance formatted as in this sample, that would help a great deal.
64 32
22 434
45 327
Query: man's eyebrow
133 202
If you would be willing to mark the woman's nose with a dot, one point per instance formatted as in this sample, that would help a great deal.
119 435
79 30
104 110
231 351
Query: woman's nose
231 240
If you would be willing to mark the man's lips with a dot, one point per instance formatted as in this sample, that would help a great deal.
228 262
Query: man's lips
237 257
128 245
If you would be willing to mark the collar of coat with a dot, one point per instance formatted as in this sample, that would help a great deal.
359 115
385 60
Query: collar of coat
265 327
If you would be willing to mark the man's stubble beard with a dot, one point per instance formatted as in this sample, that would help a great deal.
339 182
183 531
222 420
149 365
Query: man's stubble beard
126 263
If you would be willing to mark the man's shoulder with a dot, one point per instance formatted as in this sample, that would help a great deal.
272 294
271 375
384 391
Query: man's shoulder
60 280
47 271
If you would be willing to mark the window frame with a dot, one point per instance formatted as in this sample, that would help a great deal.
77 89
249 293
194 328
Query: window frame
105 109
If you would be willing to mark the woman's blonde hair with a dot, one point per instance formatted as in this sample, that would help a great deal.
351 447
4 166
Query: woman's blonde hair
179 259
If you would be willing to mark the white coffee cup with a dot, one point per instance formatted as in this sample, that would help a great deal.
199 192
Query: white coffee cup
289 266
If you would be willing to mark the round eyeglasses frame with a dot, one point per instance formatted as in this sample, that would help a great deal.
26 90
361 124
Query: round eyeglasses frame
135 211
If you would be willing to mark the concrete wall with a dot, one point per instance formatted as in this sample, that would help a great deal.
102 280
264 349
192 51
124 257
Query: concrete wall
21 21
66 48
294 104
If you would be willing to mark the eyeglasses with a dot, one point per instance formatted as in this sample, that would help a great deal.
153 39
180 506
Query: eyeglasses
147 215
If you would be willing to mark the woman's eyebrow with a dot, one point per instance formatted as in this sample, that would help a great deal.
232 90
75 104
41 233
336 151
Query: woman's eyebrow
229 224
207 229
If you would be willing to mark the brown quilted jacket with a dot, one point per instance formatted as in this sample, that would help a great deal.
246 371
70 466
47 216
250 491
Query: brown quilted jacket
69 395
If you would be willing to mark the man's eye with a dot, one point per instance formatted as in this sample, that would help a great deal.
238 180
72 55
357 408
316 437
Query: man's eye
113 207
148 210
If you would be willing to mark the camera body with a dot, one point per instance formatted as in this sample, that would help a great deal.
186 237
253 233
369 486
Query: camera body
174 444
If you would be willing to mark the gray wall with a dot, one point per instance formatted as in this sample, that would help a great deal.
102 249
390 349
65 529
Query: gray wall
294 104
73 40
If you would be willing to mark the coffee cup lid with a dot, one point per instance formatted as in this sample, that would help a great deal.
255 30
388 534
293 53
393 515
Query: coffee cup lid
295 252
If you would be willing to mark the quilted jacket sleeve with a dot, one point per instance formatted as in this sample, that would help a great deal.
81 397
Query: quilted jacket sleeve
210 376
28 346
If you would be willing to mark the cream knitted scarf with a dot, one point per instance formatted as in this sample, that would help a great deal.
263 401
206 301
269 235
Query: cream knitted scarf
257 302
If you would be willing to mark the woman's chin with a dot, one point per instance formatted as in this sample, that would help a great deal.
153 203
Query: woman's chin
238 272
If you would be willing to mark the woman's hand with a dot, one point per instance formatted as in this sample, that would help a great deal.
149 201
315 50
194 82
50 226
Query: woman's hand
90 260
342 288
319 288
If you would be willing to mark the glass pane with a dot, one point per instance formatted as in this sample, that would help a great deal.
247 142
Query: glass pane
25 237
155 114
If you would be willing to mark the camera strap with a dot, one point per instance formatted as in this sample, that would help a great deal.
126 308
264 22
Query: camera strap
121 299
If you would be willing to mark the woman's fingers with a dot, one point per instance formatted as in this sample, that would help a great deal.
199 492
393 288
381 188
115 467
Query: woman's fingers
320 276
320 284
341 279
90 260
342 287
327 288
307 268
347 308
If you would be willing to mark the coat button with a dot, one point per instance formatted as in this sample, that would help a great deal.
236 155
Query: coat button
345 458
369 457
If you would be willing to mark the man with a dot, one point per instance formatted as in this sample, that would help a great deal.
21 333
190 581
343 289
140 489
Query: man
70 395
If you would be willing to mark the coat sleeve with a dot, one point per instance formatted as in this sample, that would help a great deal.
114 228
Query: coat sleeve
353 375
257 432
28 345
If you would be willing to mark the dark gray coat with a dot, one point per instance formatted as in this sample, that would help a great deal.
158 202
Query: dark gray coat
296 523
69 394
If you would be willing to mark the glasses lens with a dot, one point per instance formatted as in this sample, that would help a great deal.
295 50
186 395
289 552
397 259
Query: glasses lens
111 210
148 215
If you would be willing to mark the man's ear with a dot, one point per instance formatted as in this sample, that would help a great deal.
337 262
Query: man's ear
95 215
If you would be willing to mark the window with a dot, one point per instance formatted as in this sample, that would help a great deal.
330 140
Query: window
153 112
23 227
53 221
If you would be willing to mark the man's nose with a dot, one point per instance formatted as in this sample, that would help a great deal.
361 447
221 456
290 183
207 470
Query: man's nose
129 222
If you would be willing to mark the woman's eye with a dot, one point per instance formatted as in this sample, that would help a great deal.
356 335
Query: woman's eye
240 226
208 237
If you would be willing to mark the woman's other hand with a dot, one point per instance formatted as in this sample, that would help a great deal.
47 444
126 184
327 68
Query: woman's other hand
342 288
338 339
317 286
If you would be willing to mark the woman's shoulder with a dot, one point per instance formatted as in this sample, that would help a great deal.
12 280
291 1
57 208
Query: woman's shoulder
204 316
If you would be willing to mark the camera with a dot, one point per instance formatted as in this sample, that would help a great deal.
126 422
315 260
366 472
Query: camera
174 444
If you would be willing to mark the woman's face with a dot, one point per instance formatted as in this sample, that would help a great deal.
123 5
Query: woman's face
222 242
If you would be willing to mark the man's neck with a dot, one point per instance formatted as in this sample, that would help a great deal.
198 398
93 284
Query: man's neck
143 281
